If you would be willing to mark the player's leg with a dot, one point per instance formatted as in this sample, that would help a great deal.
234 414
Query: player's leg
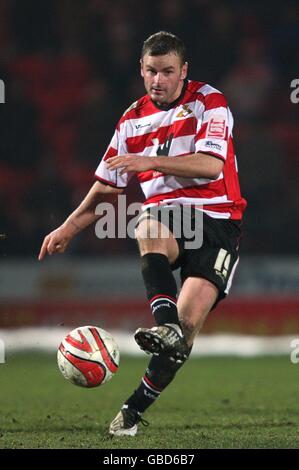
196 299
159 250
216 260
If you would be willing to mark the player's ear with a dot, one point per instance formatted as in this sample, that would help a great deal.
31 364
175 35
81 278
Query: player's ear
141 68
184 71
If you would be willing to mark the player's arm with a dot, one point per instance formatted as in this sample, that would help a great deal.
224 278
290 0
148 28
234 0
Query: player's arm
197 165
58 240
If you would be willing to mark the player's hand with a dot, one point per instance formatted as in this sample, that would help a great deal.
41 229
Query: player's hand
55 242
128 163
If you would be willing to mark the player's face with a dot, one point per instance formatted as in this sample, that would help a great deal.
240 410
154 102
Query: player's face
163 77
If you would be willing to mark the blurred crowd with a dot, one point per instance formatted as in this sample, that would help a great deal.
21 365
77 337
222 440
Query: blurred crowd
71 68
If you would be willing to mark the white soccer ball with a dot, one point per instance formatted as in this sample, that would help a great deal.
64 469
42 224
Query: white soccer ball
88 356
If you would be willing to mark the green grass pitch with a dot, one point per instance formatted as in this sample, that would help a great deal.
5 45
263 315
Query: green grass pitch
213 403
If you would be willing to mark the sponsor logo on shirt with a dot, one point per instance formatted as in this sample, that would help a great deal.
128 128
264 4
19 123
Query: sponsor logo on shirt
213 145
164 148
157 173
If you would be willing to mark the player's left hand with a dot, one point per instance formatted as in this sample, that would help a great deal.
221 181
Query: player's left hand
128 163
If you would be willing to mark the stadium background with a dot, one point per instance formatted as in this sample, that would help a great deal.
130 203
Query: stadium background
70 69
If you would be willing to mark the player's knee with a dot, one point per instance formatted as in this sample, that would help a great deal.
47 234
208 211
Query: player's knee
153 237
148 230
150 239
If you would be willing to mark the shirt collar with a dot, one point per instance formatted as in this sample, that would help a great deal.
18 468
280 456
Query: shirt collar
175 102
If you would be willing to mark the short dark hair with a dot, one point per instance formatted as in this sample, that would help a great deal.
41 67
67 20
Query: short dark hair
163 43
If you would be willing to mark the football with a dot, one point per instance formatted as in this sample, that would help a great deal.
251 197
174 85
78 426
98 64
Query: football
88 356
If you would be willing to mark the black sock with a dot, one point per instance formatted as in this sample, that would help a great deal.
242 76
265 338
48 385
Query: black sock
160 287
160 372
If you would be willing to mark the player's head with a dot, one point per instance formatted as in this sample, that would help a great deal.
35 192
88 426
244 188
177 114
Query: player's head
163 66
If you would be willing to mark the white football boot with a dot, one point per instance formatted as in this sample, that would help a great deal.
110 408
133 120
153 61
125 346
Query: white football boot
126 422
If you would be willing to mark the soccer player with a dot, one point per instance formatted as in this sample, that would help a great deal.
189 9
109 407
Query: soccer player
178 140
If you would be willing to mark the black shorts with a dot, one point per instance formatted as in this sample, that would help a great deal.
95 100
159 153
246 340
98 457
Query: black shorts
217 257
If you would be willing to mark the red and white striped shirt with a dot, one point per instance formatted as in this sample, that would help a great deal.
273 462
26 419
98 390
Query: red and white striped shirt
199 121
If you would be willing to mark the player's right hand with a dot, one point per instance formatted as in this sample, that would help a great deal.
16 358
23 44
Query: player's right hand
55 242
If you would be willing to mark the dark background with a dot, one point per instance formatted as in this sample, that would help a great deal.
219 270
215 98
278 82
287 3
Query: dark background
71 68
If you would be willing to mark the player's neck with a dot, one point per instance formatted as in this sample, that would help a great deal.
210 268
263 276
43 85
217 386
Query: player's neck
172 104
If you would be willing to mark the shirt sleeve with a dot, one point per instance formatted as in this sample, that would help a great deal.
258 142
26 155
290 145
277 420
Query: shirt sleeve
116 147
213 127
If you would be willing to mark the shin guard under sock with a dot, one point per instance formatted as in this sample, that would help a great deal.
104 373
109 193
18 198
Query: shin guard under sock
160 287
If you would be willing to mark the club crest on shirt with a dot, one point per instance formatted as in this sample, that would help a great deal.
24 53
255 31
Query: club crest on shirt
184 112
